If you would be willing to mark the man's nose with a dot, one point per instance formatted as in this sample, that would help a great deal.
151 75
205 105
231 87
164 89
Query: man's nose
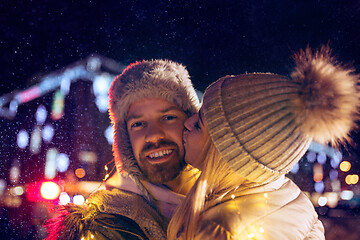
154 133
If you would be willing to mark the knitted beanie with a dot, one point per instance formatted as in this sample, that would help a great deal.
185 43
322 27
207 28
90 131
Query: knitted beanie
263 123
146 79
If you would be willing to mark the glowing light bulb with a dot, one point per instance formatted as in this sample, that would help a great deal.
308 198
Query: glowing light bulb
106 177
251 235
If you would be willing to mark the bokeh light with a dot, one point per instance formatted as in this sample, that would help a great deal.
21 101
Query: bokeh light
22 139
352 179
318 172
345 166
64 198
80 173
62 162
50 190
321 158
47 133
311 156
40 115
295 168
322 201
319 187
109 134
347 195
78 199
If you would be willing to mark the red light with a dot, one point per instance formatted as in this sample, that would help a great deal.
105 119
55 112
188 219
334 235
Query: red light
42 191
29 94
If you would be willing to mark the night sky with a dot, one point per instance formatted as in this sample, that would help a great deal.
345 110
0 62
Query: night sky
212 38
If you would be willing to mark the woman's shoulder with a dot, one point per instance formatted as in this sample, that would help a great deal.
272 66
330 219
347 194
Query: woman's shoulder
272 211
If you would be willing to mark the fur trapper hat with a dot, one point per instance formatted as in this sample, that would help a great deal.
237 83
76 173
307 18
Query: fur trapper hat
263 123
146 79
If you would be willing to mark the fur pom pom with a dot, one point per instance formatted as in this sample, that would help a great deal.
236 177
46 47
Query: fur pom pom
328 100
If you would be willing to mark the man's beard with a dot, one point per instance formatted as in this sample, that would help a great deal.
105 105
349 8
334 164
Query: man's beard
162 172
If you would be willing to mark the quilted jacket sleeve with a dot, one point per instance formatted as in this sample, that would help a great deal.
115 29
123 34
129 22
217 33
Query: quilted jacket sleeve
317 232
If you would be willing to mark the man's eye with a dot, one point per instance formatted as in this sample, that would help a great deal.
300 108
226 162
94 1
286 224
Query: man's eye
136 124
168 118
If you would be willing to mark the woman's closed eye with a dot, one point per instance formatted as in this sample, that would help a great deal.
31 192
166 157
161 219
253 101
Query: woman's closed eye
197 125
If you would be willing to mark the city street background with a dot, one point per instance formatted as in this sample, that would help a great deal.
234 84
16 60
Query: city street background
58 59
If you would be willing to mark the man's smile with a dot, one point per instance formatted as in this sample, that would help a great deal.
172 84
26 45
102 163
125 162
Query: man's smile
159 156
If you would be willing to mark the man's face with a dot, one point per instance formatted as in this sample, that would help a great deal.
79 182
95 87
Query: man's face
155 129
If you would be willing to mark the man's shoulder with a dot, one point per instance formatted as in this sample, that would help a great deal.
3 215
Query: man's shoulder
118 201
88 222
115 196
132 206
117 214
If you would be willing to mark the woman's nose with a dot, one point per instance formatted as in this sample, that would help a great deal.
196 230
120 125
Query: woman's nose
188 123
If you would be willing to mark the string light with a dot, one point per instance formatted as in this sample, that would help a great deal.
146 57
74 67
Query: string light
107 175
261 230
257 231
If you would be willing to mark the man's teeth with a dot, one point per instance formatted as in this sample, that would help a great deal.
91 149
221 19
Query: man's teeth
160 154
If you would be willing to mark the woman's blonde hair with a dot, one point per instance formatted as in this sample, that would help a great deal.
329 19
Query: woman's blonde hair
215 181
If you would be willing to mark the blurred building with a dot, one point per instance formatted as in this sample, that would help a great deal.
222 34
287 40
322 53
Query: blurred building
56 139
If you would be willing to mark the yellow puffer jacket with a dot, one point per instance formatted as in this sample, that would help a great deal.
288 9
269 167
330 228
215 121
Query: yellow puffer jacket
275 211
